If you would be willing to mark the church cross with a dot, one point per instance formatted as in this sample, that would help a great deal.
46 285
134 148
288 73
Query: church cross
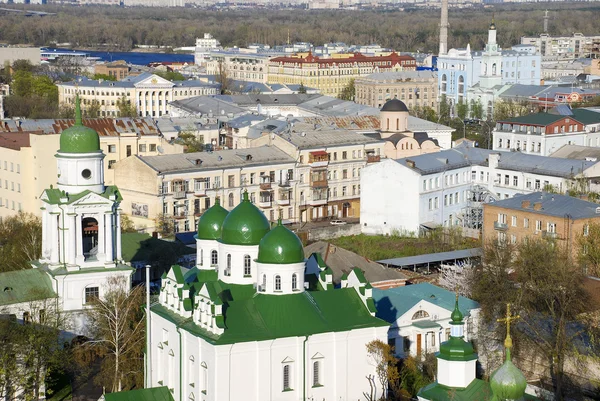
508 319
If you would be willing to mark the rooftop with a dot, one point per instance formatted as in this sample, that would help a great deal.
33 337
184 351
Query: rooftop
432 257
232 158
399 76
579 152
25 286
15 141
551 205
323 138
145 394
104 126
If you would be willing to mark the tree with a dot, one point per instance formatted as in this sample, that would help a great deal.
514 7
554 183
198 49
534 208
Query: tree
104 77
170 75
127 225
462 109
126 109
223 79
348 92
416 374
540 279
444 106
20 241
506 109
476 109
191 142
92 110
588 252
163 224
301 88
381 355
116 323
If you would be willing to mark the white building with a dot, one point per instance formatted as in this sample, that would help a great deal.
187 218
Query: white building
566 47
419 316
425 191
250 323
203 48
81 236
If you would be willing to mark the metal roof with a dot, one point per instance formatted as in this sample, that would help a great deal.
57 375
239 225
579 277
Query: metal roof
433 257
394 76
325 138
104 126
222 159
551 205
577 152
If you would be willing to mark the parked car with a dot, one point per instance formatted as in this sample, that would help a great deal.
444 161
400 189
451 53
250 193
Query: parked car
337 222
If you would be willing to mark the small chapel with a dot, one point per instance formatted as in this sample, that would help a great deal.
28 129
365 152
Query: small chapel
248 322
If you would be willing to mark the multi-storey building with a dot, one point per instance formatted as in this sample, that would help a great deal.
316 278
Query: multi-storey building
570 47
148 93
182 187
240 64
4 91
540 215
414 88
545 133
331 75
204 46
448 188
116 69
27 155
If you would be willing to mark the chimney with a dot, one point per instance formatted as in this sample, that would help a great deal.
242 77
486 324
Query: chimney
525 204
537 206
444 29
493 160
410 163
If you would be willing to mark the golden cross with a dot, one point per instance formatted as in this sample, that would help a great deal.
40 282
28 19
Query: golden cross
509 318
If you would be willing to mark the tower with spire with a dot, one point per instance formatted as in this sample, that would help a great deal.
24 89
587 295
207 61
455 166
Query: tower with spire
491 61
81 235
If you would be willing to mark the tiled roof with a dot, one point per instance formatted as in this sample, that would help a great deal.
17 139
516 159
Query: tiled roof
551 205
25 286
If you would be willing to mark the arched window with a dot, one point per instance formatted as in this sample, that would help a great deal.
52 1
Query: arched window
444 81
231 200
294 281
397 124
277 283
420 315
264 283
228 269
316 373
201 257
286 377
247 262
214 257
494 69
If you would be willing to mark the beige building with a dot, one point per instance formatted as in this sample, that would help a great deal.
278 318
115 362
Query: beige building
331 75
117 69
28 165
539 215
11 54
149 93
243 65
181 187
415 88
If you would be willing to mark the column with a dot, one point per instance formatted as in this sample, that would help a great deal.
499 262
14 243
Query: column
118 235
72 244
79 240
45 236
101 242
156 107
53 238
109 237
137 101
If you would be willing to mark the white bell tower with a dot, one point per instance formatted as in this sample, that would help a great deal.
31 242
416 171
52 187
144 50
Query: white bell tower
491 61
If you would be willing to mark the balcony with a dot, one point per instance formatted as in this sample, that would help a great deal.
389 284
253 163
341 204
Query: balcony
179 194
283 202
265 185
319 184
180 215
318 158
265 203
317 202
549 234
373 158
500 226
200 192
285 183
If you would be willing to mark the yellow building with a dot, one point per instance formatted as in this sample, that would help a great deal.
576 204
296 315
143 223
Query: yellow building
331 75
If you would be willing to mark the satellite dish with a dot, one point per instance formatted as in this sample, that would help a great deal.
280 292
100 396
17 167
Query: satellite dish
160 149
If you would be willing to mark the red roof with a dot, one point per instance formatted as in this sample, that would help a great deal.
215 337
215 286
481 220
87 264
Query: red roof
319 153
394 58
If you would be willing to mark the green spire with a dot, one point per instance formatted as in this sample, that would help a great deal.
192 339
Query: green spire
78 120
456 316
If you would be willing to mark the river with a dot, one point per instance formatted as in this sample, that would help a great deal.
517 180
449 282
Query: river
133 57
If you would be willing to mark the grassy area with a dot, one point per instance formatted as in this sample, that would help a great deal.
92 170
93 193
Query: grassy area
377 247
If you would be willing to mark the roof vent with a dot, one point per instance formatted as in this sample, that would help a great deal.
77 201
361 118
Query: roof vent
220 158
410 163
248 158
198 162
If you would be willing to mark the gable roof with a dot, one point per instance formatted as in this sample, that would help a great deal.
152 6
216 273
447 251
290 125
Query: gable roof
25 286
541 119
395 302
53 195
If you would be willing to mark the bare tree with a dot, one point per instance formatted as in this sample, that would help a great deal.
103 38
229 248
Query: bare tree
381 356
20 241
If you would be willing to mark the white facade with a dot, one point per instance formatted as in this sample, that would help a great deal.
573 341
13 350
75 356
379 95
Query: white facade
543 145
203 48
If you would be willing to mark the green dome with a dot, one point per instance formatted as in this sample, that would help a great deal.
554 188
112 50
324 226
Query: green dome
508 382
244 225
79 138
457 349
280 246
211 221
456 316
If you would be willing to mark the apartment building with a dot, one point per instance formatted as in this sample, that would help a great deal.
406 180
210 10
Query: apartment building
545 133
414 88
328 168
539 215
331 75
568 47
116 69
204 46
149 93
240 64
27 151
448 188
181 187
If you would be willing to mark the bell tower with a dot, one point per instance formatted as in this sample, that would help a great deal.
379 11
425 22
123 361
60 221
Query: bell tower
491 61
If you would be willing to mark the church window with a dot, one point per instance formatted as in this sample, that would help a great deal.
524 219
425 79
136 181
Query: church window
286 376
264 283
214 257
294 281
201 257
316 372
420 315
86 173
228 269
230 200
247 264
91 294
277 283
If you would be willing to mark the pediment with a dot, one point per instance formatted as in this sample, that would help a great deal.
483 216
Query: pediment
91 199
154 81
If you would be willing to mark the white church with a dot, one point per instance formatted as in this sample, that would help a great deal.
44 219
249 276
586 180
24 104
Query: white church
250 323
81 235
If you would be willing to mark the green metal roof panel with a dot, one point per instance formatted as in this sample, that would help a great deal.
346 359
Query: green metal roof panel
54 195
586 116
477 390
25 286
426 324
244 225
211 221
146 394
280 246
359 275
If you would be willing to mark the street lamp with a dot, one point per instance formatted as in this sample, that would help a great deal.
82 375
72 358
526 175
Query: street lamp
464 128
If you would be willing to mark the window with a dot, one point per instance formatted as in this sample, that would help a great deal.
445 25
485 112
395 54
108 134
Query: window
91 294
294 281
316 373
26 317
286 378
344 155
142 148
152 147
230 200
228 270
420 314
277 283
513 239
111 163
514 221
247 264
586 230
214 257
538 225
526 222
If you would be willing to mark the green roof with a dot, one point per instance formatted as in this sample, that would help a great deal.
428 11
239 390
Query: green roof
25 286
211 221
280 246
54 194
79 138
145 394
456 349
426 324
586 117
508 382
245 224
477 390
535 119
143 247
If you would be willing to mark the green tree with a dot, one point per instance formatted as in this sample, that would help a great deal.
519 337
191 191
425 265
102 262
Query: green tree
126 109
23 65
506 109
462 109
302 88
20 241
414 374
444 106
348 92
476 109
163 224
588 252
170 75
191 142
104 77
92 110
22 83
127 225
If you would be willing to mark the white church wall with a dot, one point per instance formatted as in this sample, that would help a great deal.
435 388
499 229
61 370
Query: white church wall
456 373
237 252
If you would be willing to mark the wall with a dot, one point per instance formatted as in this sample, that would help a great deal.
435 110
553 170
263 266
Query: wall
325 233
11 54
